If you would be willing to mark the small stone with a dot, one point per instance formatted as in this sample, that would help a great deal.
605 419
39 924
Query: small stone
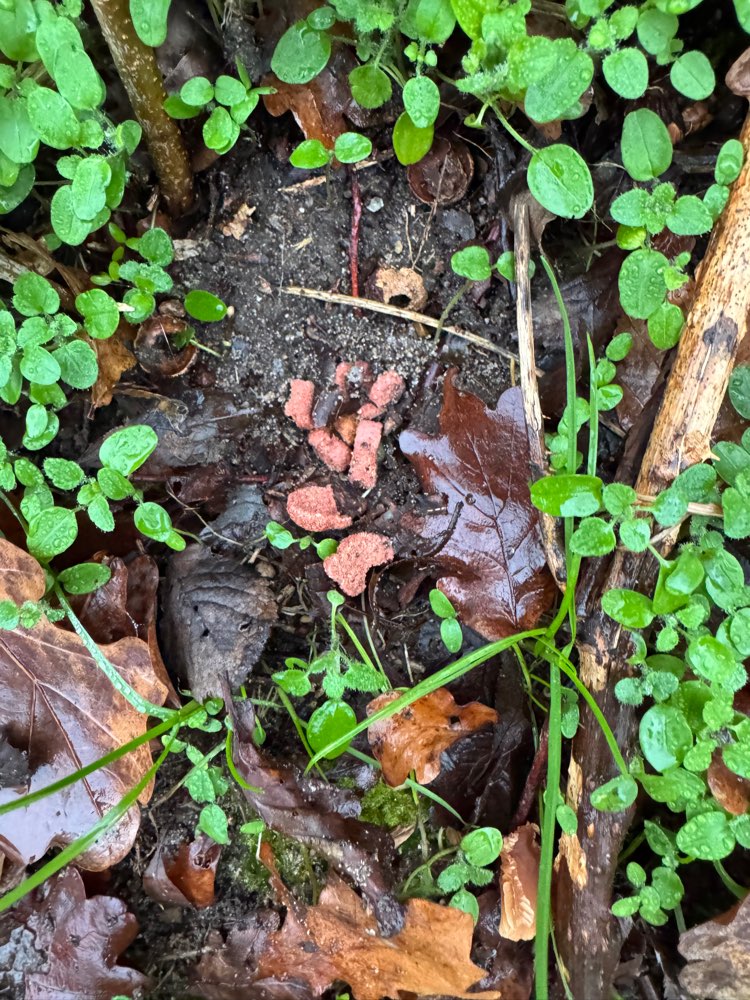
374 205
330 449
314 508
364 464
354 558
299 406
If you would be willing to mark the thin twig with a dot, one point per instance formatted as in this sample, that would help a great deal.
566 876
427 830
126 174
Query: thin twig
354 235
410 315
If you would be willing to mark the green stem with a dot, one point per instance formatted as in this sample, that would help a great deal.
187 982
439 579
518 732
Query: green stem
455 299
446 852
740 891
139 703
509 128
233 767
340 620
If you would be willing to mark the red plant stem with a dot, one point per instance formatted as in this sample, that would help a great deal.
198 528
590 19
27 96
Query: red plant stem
354 238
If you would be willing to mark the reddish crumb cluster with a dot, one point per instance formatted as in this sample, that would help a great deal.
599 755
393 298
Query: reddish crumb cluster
354 558
314 508
353 443
350 444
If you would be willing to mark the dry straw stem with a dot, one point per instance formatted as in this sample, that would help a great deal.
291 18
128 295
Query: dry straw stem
137 68
587 933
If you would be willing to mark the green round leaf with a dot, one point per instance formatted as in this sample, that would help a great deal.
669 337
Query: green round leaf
422 100
371 87
84 578
411 143
156 247
656 29
567 495
51 532
78 363
220 130
153 521
229 90
737 758
89 187
739 390
19 140
434 21
665 325
556 93
711 659
34 295
593 537
329 723
197 91
176 108
113 484
665 736
11 196
204 306
440 604
707 836
77 79
100 514
65 222
465 901
213 822
150 20
62 473
38 365
301 54
693 75
472 263
641 282
561 182
351 147
628 607
310 154
626 71
141 305
451 634
690 217
646 146
100 313
53 118
126 450
615 795
482 847
729 162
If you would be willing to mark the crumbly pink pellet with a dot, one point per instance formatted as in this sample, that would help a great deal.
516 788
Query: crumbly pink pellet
387 389
314 508
330 449
355 556
369 411
299 406
346 427
364 466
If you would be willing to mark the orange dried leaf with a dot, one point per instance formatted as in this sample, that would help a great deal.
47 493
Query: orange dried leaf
59 708
414 738
114 359
519 874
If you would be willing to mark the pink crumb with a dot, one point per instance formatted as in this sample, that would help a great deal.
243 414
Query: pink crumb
358 371
346 427
355 556
364 467
300 403
314 508
387 389
330 449
369 411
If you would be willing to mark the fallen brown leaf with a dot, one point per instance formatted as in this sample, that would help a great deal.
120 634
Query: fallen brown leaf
58 707
338 939
319 815
519 874
185 877
414 738
114 359
718 956
77 941
443 175
491 561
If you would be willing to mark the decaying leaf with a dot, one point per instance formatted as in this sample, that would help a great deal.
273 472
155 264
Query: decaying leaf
77 941
730 790
217 618
114 359
492 565
184 877
338 939
718 956
414 738
442 176
320 815
519 874
58 707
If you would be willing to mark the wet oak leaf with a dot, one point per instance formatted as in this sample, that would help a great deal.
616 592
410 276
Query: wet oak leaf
414 738
338 939
78 940
492 565
57 706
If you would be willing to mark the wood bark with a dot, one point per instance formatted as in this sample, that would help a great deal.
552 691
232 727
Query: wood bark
139 72
587 933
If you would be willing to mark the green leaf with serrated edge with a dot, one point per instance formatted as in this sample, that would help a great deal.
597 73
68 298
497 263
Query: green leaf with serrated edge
78 363
707 836
197 91
421 100
300 54
213 822
156 247
618 498
100 514
371 87
62 473
53 118
84 577
34 295
593 537
100 313
665 736
113 484
472 262
51 532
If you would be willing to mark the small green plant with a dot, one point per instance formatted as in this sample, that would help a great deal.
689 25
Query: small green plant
229 102
281 538
350 147
450 627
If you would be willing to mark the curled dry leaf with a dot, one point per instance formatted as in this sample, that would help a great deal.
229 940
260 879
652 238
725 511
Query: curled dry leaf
414 738
442 176
155 351
519 874
114 358
77 942
338 939
317 814
730 790
491 561
186 877
57 706
718 956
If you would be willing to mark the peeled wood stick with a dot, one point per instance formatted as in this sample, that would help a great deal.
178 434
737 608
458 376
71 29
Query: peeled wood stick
137 68
587 933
